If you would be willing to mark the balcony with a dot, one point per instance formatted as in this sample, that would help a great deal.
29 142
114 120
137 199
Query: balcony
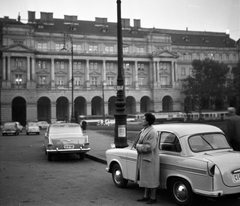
18 86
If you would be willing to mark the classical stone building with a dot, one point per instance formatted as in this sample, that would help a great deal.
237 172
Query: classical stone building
38 58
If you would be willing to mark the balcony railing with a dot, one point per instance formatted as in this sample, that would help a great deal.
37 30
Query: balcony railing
18 86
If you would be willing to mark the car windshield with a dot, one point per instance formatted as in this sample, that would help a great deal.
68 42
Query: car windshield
207 142
9 125
33 124
64 129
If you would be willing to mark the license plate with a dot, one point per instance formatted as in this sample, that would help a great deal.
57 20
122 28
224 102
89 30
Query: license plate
236 178
68 146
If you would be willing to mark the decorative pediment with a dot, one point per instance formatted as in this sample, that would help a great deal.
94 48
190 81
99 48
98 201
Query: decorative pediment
42 71
141 73
165 53
111 73
78 72
19 69
17 48
61 72
164 72
127 73
94 73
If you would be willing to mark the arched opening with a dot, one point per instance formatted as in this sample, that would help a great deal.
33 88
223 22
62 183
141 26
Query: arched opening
130 105
97 106
62 109
145 104
19 110
44 109
167 104
111 105
80 106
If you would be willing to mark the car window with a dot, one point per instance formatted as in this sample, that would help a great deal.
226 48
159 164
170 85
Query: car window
32 124
207 142
64 129
169 142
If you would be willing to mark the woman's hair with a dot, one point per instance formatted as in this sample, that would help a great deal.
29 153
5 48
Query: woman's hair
150 118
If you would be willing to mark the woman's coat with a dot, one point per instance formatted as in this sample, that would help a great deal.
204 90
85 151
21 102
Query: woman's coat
148 165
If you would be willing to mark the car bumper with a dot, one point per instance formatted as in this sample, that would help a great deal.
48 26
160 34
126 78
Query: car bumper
216 193
80 150
9 132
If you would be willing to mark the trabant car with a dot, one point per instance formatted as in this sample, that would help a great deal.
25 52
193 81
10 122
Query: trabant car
194 159
65 138
42 124
10 128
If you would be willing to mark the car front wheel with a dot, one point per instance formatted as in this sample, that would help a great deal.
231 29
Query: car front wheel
117 176
82 156
181 192
49 156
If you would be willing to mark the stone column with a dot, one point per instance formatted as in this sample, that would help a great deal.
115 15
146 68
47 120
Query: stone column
89 108
52 74
28 68
87 83
104 71
172 73
53 112
9 68
154 73
4 67
135 77
33 69
158 72
70 72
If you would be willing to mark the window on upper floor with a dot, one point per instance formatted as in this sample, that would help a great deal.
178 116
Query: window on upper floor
42 80
126 66
140 50
42 46
109 66
110 80
183 71
41 64
140 67
92 48
93 66
126 49
59 80
109 49
18 62
77 65
58 47
77 81
59 65
165 80
77 47
141 81
18 79
127 81
94 81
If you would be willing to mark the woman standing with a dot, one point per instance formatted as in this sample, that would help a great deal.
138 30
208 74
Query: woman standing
148 160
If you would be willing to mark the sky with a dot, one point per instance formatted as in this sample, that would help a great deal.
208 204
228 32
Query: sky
195 15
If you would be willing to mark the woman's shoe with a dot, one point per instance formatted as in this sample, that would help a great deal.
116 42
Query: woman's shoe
152 201
144 199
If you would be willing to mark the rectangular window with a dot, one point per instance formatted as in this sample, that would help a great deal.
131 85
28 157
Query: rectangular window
127 81
183 71
93 80
164 80
42 80
141 81
62 65
110 80
77 65
60 80
109 49
18 62
125 49
77 81
18 79
126 66
140 67
93 48
42 46
58 47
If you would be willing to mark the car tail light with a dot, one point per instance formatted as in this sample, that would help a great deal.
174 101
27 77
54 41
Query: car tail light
211 169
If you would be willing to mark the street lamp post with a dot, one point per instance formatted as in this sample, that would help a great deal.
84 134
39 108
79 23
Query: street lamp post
72 78
120 138
104 117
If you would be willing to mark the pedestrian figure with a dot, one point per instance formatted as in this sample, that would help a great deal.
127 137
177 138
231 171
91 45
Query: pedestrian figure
83 124
148 160
233 128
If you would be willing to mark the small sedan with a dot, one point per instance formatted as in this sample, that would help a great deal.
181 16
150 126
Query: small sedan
194 159
10 128
66 138
32 127
42 124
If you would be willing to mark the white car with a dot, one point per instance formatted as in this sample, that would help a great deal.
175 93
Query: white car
194 158
20 127
32 127
42 124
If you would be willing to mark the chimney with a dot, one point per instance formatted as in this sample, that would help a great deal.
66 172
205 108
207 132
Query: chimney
31 17
137 23
19 17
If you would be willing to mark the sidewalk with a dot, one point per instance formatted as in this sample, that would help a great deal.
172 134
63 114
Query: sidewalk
99 143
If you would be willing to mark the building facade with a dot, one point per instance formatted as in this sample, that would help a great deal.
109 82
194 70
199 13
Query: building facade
39 59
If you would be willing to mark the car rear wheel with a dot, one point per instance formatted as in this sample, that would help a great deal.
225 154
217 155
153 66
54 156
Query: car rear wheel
82 156
49 156
181 192
117 176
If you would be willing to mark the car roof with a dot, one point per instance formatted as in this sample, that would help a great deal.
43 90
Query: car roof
182 129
